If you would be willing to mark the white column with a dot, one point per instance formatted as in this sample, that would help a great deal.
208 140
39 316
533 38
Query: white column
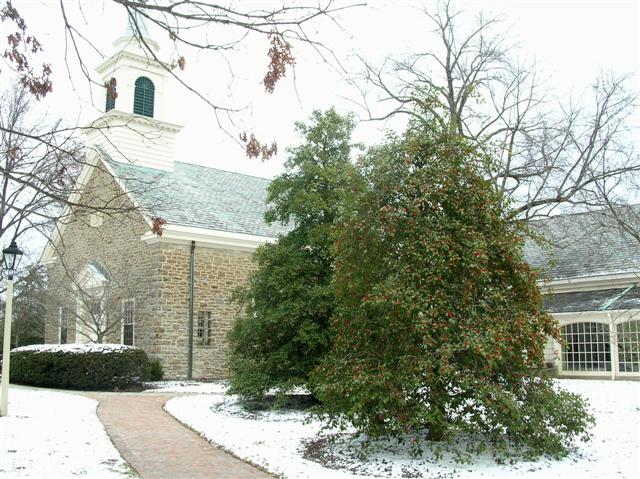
613 341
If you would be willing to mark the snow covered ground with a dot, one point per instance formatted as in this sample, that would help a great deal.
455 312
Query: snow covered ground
56 435
191 387
284 443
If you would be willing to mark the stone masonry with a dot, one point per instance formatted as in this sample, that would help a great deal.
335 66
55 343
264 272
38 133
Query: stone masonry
157 277
116 247
217 273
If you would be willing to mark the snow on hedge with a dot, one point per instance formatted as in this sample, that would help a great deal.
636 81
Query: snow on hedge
286 442
73 348
56 435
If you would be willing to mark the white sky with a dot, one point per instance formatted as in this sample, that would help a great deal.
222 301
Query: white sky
571 41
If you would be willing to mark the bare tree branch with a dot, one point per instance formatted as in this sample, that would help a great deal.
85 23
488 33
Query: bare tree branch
549 153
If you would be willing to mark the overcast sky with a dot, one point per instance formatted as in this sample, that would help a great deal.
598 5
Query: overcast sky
571 41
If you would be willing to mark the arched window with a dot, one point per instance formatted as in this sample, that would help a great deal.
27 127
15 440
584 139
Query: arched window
111 95
143 97
91 293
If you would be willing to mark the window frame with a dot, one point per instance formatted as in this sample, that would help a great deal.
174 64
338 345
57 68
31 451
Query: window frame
203 327
586 358
124 324
613 321
63 318
627 346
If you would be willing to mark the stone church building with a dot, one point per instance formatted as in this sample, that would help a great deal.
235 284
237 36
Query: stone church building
164 244
154 259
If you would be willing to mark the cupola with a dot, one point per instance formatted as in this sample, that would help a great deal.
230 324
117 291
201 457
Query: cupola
134 126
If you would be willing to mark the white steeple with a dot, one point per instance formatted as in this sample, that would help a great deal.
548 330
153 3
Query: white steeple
134 126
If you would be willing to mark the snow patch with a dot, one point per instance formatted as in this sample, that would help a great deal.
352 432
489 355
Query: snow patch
55 434
74 348
200 387
195 387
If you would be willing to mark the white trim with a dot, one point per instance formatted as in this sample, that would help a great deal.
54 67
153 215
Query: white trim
90 278
613 345
589 283
619 315
151 63
106 121
175 234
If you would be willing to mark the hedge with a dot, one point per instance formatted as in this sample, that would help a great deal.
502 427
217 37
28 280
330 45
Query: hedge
104 367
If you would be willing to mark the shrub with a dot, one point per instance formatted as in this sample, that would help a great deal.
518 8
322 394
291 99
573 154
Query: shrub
283 331
439 326
81 366
153 371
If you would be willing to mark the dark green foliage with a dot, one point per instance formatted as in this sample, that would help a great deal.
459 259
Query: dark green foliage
283 331
102 371
439 326
28 308
153 370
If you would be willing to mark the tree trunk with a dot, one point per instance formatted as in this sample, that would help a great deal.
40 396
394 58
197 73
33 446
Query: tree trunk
437 428
436 432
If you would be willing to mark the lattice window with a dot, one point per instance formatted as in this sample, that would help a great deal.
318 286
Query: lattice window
128 311
143 97
629 346
204 327
586 347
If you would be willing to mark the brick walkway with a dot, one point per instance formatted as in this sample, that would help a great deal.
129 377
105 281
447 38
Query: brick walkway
158 446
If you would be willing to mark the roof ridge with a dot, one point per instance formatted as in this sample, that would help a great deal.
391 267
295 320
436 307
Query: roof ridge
578 213
224 171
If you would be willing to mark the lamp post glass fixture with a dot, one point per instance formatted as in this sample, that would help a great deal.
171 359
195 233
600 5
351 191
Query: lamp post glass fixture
12 256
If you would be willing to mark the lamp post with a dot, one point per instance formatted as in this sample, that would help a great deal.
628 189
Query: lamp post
12 256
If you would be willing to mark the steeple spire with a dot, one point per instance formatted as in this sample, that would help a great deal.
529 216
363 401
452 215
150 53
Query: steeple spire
137 26
137 22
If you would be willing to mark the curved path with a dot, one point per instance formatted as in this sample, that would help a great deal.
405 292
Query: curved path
159 447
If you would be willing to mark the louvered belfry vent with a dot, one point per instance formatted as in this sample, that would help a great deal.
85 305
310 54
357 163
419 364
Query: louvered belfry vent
111 103
143 97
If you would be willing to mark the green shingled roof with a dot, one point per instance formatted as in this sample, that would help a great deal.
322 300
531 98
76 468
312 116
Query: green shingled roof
198 196
194 195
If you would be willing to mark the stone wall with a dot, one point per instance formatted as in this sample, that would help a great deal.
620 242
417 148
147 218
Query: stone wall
217 273
115 247
157 277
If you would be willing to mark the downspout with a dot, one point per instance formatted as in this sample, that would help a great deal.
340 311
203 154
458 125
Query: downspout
190 332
